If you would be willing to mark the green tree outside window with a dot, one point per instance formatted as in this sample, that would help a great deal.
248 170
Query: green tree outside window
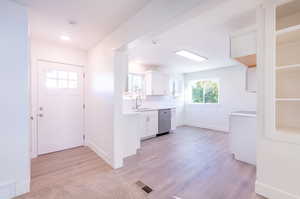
205 92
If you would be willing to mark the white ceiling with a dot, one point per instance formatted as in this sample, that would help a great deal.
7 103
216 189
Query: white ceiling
95 19
207 36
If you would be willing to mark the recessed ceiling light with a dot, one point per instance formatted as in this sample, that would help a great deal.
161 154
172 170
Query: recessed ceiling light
65 38
191 55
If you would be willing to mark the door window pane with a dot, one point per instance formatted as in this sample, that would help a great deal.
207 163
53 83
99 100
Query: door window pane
72 84
73 76
62 75
63 83
51 83
61 79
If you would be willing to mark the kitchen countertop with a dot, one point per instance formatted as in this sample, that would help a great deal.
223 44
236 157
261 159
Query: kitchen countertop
144 109
244 113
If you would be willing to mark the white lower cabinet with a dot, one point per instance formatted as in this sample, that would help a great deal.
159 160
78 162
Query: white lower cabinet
243 136
149 124
173 119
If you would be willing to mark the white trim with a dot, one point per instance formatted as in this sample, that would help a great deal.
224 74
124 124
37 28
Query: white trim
100 152
56 62
7 190
214 128
287 30
272 192
22 187
12 189
288 99
288 66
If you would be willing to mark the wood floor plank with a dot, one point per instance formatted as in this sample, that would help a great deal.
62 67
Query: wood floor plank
191 163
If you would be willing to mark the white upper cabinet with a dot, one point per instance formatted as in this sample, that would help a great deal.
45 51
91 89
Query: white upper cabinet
176 86
243 46
157 83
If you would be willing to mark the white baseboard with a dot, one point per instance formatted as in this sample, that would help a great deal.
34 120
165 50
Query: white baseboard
272 192
9 190
100 152
215 128
22 187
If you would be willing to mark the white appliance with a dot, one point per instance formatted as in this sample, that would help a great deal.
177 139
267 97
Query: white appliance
243 136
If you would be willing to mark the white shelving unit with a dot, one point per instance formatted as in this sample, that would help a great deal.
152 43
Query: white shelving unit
283 71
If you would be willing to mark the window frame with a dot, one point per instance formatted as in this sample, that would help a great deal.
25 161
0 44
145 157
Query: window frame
132 95
58 79
190 91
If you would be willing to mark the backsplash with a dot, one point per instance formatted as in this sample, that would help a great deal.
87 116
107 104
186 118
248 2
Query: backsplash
154 101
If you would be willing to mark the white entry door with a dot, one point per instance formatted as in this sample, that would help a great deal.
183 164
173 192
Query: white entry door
60 107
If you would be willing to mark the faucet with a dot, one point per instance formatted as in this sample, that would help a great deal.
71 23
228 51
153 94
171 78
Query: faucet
138 99
138 102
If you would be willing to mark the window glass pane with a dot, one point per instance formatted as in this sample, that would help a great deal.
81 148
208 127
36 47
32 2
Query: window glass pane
52 74
72 84
136 84
129 83
198 92
211 92
63 83
73 76
51 83
62 75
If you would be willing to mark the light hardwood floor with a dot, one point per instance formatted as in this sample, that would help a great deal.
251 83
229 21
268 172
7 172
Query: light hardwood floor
192 163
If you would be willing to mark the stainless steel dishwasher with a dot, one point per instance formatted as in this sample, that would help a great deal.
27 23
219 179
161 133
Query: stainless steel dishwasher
164 121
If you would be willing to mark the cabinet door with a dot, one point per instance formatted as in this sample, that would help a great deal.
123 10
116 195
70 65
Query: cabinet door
157 83
148 80
243 44
173 119
152 123
143 125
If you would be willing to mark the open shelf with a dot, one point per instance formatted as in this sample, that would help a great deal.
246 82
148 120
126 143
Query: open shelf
288 66
288 99
288 15
288 48
288 116
287 130
288 30
288 83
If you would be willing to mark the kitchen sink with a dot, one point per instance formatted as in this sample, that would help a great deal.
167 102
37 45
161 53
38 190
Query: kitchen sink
143 109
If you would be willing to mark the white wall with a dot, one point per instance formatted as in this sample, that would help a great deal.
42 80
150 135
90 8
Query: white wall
233 97
102 70
100 102
14 115
53 52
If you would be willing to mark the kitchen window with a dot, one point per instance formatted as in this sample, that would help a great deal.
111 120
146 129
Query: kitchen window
204 91
135 85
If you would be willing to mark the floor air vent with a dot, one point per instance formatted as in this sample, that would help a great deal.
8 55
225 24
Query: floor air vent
144 187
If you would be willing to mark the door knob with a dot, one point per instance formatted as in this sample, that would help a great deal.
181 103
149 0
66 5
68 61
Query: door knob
40 115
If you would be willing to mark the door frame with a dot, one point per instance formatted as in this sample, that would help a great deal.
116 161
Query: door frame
35 102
